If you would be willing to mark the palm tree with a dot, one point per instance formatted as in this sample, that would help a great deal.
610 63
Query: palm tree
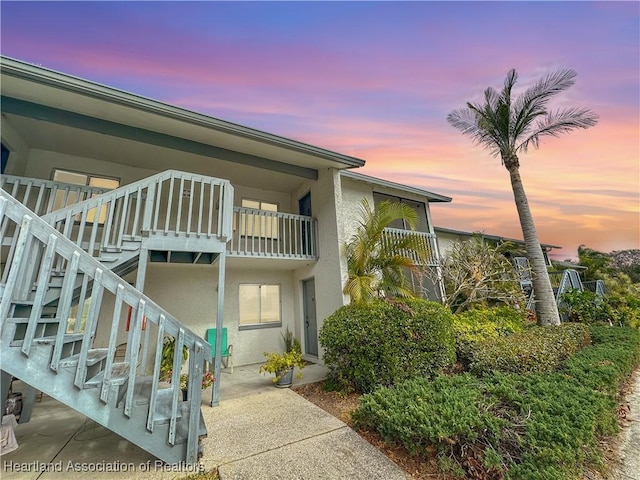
378 263
507 127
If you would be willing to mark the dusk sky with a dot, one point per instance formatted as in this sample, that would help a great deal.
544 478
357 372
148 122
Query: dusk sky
376 80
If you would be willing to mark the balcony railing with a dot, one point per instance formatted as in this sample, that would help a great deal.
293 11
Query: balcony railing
427 240
267 234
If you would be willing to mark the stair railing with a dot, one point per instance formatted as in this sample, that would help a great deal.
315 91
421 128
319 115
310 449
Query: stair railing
32 233
45 196
154 205
170 202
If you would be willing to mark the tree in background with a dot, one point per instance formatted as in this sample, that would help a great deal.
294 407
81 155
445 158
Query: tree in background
622 293
627 261
507 126
477 274
377 263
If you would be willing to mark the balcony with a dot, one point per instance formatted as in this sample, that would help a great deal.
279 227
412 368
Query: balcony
268 234
428 240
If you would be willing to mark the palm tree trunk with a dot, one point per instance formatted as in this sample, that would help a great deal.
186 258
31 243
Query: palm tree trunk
546 307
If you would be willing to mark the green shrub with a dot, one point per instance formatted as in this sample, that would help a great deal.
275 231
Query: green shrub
481 324
585 306
613 356
420 413
385 342
537 349
541 426
624 309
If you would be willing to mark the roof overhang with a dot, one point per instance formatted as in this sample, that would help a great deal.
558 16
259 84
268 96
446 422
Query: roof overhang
40 94
397 187
495 238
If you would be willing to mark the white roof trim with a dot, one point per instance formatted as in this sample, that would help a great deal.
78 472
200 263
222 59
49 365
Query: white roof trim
433 197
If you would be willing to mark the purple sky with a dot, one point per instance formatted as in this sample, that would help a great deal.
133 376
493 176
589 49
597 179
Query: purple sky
376 80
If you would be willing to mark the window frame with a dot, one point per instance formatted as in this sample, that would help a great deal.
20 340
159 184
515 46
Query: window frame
259 325
260 230
102 216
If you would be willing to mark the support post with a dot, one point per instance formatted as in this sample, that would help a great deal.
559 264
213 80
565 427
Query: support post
143 258
215 395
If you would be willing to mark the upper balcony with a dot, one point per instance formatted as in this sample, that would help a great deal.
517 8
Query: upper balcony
428 241
268 234
175 210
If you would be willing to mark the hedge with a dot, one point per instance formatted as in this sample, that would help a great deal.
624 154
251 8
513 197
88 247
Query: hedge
385 342
539 426
535 350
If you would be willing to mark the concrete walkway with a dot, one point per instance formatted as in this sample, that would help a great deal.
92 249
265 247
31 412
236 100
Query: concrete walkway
257 432
629 452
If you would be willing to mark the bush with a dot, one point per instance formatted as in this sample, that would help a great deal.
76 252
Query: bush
420 413
537 349
539 426
481 324
614 355
385 342
585 306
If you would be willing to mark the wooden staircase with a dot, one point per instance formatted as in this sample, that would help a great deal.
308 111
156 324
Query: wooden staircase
75 255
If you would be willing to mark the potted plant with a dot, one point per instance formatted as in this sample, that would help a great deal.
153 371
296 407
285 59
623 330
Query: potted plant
166 361
283 364
207 381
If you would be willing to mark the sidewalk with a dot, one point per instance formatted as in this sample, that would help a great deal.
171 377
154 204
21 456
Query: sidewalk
629 451
257 432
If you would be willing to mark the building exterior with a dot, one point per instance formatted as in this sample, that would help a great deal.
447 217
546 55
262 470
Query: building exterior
183 222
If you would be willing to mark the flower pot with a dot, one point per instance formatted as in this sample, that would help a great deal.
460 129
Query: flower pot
184 395
286 378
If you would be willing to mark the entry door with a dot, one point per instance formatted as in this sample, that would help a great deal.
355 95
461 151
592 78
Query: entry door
304 205
310 325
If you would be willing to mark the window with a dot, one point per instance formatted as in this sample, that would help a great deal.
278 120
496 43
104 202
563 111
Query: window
78 178
259 224
419 208
259 305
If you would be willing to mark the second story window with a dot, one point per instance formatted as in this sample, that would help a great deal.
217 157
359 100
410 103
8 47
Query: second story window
79 178
261 223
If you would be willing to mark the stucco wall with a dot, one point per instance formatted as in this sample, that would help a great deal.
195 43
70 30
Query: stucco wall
42 162
189 293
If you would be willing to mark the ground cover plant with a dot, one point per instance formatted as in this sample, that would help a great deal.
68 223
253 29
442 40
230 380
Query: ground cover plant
517 426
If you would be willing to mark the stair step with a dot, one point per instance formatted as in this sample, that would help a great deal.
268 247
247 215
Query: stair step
94 356
107 259
40 320
50 340
110 250
142 394
119 375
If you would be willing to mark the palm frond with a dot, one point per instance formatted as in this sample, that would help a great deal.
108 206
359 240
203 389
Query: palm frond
556 123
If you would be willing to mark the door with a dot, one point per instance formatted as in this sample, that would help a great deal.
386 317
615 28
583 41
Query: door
304 207
309 311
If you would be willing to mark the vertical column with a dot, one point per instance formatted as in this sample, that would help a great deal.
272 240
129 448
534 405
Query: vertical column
215 396
143 259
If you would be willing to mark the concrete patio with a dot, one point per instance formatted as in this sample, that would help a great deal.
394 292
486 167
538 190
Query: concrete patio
258 431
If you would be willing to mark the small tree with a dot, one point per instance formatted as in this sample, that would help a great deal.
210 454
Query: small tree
378 263
476 274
